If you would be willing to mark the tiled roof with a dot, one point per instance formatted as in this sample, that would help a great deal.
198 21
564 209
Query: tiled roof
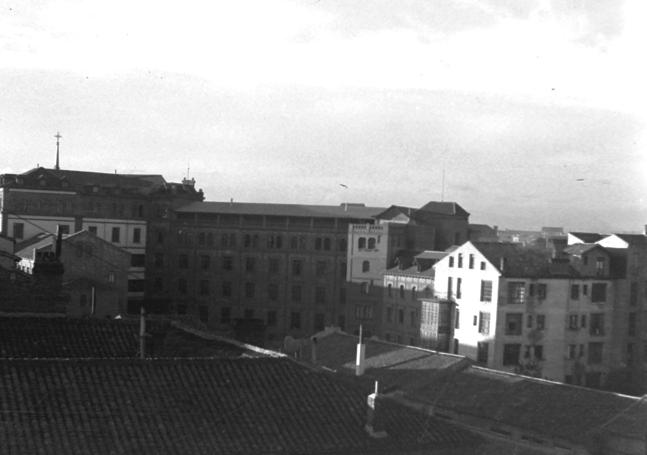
633 239
587 237
394 365
541 407
445 208
580 248
199 406
413 270
430 254
522 261
353 211
58 337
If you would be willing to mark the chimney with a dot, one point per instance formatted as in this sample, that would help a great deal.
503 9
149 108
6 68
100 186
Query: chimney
374 418
361 354
59 238
314 350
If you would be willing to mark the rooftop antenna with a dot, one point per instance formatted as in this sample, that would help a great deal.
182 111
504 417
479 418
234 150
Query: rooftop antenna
58 137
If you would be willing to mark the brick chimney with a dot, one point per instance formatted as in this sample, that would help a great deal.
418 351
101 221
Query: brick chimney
360 359
374 415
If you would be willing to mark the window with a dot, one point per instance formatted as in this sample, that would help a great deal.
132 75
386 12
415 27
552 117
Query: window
297 267
365 288
482 265
585 289
389 314
296 293
137 260
204 287
361 243
158 260
371 243
630 353
137 235
633 293
160 235
342 245
598 292
205 262
400 316
412 318
320 268
115 235
541 321
541 291
486 291
583 321
342 270
513 322
482 352
318 243
511 354
517 292
295 320
225 315
575 292
413 293
451 261
631 324
460 260
181 285
92 230
183 261
571 351
471 261
599 266
595 353
250 264
342 295
450 291
389 290
271 318
273 291
457 321
226 288
538 352
484 323
227 263
326 244
158 284
273 265
319 322
596 327
320 295
366 266
529 321
250 290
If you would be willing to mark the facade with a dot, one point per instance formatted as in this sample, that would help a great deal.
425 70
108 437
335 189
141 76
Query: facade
563 317
115 207
282 265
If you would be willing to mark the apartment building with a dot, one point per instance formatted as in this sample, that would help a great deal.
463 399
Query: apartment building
115 207
549 314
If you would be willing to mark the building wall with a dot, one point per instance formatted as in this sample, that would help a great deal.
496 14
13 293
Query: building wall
402 306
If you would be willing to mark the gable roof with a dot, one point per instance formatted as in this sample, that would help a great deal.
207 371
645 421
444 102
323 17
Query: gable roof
352 211
581 248
445 208
198 406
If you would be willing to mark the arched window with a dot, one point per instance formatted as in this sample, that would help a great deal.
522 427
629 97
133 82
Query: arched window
402 291
366 266
427 292
413 293
390 289
371 243
361 243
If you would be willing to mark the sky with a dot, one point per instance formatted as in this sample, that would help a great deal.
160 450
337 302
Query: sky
532 110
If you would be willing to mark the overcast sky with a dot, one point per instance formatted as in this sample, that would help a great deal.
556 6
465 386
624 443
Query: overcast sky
535 108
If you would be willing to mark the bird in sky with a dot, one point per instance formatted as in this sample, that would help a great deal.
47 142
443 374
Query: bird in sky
345 186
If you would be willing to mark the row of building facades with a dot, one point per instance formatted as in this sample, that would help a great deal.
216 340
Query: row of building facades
568 308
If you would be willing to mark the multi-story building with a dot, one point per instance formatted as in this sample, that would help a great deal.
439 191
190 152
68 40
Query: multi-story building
555 315
115 207
397 235
282 264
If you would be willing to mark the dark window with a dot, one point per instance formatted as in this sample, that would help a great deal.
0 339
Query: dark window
137 260
320 268
596 327
318 243
250 264
158 284
482 265
484 323
471 261
482 352
226 288
475 320
271 318
450 291
203 313
460 260
541 321
414 293
511 354
598 292
371 243
595 353
529 321
541 291
326 244
320 295
585 289
92 230
296 293
451 261
225 315
400 316
539 352
205 261
297 267
583 321
342 270
319 322
459 282
250 290
64 229
204 287
295 320
486 291
273 265
572 321
160 236
342 295
115 234
136 285
513 323
631 326
273 291
137 235
599 266
633 293
227 263
183 261
366 266
630 353
402 291
575 291
159 260
342 245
